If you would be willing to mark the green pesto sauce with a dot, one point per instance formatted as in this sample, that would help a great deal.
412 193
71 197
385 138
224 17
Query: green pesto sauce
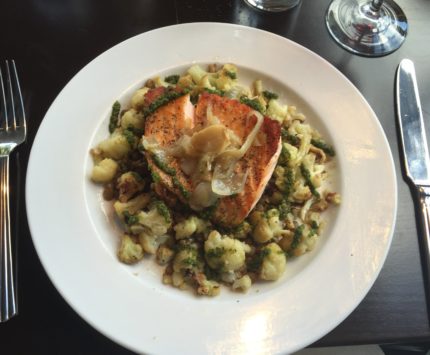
215 252
326 148
163 210
289 138
297 236
208 212
289 183
160 163
307 176
172 79
314 229
154 175
215 91
190 262
183 245
164 99
114 116
131 138
270 95
231 74
129 219
185 193
257 260
284 208
253 103
136 131
285 155
218 252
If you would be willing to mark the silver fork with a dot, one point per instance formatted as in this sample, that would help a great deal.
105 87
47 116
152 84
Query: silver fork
13 131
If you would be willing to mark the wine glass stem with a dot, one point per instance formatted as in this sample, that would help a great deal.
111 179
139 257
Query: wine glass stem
376 5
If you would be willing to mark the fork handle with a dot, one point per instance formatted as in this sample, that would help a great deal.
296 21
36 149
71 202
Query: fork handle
8 297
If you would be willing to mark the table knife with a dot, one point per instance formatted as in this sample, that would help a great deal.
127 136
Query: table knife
415 151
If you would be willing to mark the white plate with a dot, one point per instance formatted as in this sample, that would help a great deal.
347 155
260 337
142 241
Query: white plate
77 245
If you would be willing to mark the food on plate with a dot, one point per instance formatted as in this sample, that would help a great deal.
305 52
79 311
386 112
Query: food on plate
221 182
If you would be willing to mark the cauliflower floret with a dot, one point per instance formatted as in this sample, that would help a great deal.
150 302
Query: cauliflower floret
178 280
304 132
291 152
268 227
138 99
262 232
243 284
242 231
104 171
286 241
191 225
311 241
151 222
277 111
129 252
228 276
131 206
284 178
301 192
128 185
224 82
274 222
315 170
308 238
97 155
206 287
238 91
224 253
164 255
186 259
230 68
132 118
151 242
274 263
116 146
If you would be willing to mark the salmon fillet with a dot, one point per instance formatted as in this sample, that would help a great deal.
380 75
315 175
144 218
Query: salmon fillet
170 122
167 124
260 160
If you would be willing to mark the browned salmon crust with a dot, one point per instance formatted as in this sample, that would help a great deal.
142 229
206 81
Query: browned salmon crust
260 160
168 124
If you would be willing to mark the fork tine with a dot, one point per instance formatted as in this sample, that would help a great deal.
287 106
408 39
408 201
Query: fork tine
11 100
3 112
20 104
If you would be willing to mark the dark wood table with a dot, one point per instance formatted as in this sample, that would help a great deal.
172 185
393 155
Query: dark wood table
52 40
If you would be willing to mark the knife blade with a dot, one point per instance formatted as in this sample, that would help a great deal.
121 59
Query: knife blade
411 125
416 155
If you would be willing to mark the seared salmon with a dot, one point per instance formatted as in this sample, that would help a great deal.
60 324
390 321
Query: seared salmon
171 121
167 124
260 159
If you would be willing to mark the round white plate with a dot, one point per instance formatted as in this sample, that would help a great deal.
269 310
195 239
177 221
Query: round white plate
77 245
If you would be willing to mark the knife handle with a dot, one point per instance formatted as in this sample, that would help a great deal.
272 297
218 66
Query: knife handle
424 203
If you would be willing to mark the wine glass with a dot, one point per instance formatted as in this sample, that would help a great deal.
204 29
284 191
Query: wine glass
367 27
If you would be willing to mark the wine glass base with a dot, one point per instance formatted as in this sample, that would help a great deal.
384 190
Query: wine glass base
355 26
